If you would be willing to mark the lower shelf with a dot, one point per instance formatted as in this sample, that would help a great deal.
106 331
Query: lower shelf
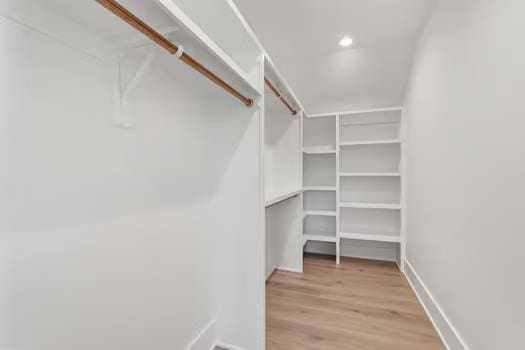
319 238
320 212
369 237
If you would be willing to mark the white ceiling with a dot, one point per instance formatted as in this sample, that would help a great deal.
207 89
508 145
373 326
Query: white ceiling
302 37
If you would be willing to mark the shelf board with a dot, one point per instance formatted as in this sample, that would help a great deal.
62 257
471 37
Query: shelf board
320 238
370 142
321 115
370 205
370 174
172 9
319 188
276 199
319 150
320 213
369 237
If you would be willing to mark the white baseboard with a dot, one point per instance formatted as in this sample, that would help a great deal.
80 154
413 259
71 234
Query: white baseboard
448 333
205 340
227 347
358 249
289 269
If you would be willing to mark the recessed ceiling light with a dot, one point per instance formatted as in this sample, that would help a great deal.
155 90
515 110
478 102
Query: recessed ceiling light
346 41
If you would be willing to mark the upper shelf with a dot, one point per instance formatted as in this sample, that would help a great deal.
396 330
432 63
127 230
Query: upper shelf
282 197
241 47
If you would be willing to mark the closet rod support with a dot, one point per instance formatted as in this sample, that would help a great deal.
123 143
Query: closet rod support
141 26
279 96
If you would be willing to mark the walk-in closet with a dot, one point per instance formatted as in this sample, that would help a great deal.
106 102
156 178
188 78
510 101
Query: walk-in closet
262 175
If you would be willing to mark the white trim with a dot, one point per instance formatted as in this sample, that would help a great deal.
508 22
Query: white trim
205 339
448 336
289 269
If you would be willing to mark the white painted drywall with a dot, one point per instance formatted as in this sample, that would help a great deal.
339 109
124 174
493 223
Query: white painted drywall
110 237
302 36
466 168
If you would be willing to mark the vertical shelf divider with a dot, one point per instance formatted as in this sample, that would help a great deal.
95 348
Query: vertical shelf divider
337 191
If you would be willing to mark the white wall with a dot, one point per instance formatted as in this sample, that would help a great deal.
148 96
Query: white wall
466 168
110 237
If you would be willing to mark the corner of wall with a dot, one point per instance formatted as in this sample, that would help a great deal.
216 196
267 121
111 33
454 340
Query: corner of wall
205 340
446 330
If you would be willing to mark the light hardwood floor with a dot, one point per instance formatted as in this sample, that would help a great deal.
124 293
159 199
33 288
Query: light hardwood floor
359 305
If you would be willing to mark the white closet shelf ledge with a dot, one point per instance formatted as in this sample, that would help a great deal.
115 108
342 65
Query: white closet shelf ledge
319 188
320 238
370 205
319 150
319 213
369 237
371 142
282 197
370 174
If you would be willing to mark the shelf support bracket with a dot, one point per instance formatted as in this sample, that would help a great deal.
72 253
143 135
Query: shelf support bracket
122 92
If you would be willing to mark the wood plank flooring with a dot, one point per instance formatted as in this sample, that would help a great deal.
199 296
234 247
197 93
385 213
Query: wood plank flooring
359 305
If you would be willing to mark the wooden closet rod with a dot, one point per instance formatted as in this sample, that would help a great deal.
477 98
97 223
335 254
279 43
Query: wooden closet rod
138 24
278 95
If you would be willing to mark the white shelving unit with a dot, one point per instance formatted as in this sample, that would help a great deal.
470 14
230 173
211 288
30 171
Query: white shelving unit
283 178
320 179
353 176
